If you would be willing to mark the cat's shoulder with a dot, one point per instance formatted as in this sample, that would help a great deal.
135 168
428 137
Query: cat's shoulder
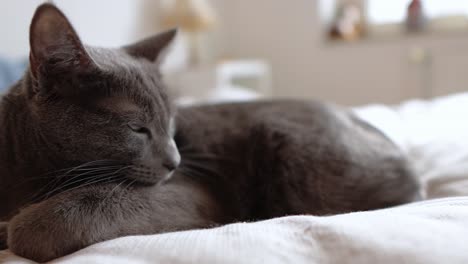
261 105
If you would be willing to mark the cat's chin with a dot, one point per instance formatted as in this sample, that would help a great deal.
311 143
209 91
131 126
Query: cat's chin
152 178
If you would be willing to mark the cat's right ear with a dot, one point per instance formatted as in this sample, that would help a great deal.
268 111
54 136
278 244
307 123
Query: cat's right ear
153 48
55 46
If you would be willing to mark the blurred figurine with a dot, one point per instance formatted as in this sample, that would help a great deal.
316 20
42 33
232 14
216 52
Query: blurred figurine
416 19
348 23
194 18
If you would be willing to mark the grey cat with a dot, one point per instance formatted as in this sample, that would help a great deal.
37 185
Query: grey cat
92 149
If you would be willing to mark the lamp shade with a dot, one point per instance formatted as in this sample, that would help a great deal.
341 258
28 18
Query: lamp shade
189 15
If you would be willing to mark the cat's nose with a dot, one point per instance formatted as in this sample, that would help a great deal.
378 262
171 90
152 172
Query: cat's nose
172 157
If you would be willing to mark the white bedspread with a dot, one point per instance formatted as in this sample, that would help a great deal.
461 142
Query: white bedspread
434 134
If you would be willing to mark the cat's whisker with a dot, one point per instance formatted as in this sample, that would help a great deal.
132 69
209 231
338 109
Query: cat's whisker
95 172
84 165
195 165
70 182
71 179
111 193
87 181
100 180
41 195
114 189
207 157
47 175
186 148
124 189
191 164
29 180
52 175
57 189
91 171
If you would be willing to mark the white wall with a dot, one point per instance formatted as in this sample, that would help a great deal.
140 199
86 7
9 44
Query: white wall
15 17
288 34
102 23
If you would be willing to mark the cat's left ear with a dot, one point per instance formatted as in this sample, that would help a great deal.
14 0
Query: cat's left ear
54 43
153 48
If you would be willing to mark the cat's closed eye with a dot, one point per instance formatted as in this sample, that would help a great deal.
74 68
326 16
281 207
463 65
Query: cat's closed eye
140 129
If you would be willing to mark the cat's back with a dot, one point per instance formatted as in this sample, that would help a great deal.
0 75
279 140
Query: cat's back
312 122
308 118
313 157
241 114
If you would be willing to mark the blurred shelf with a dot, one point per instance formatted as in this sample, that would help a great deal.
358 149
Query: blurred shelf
395 33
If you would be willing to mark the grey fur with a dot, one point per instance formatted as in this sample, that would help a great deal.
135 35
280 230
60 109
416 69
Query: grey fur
3 235
87 152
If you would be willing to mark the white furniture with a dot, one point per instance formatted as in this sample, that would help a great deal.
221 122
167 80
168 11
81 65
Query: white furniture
225 81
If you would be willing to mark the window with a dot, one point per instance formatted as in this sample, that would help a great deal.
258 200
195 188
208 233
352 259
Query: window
388 17
394 11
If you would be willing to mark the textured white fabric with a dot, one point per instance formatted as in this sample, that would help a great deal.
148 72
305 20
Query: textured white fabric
434 134
432 232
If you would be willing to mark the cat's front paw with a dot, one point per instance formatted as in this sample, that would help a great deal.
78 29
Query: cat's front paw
40 233
65 223
3 235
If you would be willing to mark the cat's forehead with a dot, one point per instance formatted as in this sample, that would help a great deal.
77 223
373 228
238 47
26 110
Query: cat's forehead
119 104
131 84
136 77
118 60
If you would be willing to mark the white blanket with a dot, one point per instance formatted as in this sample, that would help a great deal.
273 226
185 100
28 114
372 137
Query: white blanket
435 136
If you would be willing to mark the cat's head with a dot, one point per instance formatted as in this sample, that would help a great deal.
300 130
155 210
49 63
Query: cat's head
92 105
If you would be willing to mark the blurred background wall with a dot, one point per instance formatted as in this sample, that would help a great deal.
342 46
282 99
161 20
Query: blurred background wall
295 39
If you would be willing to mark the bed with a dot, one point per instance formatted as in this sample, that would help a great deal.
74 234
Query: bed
433 133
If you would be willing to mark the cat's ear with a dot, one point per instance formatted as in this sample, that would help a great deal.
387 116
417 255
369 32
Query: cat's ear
153 48
54 44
